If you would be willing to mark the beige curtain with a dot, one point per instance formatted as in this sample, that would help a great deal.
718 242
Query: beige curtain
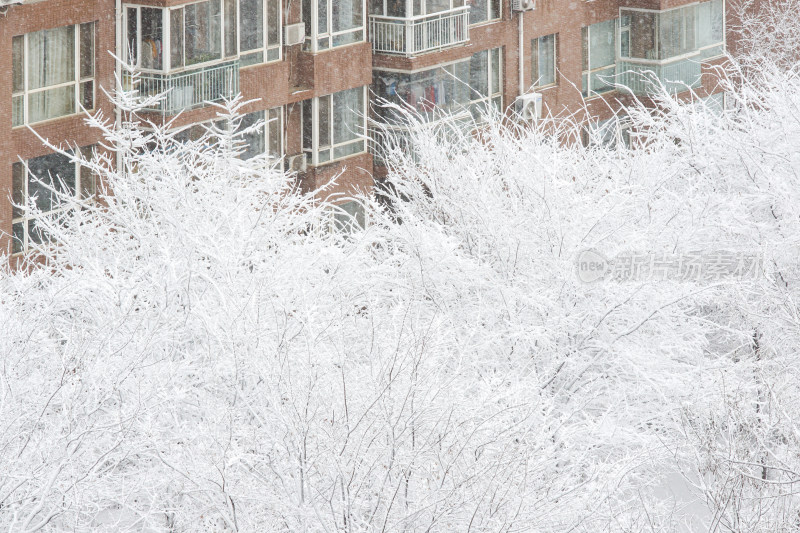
51 61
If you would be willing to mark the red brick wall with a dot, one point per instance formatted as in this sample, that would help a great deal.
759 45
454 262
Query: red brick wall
21 142
301 75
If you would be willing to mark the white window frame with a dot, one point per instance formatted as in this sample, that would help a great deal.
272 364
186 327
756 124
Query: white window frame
25 219
78 81
312 39
166 60
315 122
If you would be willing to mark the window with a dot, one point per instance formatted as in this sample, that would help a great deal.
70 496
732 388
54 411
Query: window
332 23
543 61
663 35
348 217
334 125
611 133
599 57
268 138
34 181
485 82
254 42
52 73
711 28
202 32
446 89
483 10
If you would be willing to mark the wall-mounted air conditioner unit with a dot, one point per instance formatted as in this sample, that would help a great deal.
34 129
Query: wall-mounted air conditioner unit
297 163
529 106
523 5
295 34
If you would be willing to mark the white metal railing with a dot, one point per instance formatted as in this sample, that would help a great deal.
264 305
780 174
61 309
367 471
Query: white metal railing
417 35
187 89
645 77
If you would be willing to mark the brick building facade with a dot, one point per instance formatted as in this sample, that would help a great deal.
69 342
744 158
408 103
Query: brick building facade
454 54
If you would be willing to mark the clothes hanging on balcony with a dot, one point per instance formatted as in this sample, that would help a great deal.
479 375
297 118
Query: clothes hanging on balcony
151 53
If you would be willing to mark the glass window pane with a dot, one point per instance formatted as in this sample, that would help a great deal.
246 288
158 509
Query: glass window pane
348 38
494 9
546 60
51 57
348 115
273 23
251 21
88 178
495 88
17 110
18 62
306 13
176 38
324 121
51 103
17 189
18 243
203 32
87 50
479 11
36 234
255 139
87 95
251 59
346 14
643 31
585 48
132 39
710 23
52 171
322 16
479 75
152 42
230 28
275 129
307 125
435 6
348 149
602 47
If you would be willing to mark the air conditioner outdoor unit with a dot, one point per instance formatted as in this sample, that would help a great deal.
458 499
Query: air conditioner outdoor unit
297 163
523 5
295 34
529 106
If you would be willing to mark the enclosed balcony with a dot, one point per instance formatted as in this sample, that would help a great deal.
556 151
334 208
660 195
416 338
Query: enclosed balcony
187 89
666 48
192 53
412 27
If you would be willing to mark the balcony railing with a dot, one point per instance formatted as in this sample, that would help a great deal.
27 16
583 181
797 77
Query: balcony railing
188 89
417 35
646 77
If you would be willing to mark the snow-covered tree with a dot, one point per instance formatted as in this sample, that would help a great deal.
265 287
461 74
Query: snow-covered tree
197 352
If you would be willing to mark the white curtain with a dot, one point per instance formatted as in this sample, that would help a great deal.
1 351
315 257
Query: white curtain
348 114
51 61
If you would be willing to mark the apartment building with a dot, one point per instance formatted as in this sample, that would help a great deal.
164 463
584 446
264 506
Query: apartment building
313 66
